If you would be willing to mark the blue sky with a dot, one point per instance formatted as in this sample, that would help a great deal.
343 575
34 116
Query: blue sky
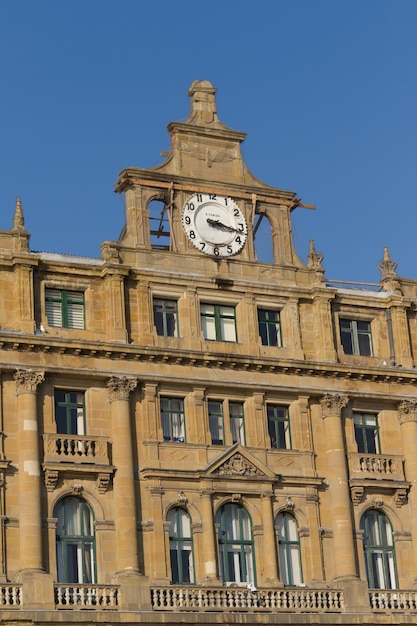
325 89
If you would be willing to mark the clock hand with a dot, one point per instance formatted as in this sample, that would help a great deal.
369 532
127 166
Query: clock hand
218 224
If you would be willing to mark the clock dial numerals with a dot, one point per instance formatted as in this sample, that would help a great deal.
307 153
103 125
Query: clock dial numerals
214 224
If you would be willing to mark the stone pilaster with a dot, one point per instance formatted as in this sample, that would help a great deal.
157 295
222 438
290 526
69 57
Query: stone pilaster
30 516
24 308
209 538
115 313
270 544
124 480
401 335
323 329
407 415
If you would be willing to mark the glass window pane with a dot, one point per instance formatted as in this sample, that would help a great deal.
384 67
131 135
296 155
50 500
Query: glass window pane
208 327
228 329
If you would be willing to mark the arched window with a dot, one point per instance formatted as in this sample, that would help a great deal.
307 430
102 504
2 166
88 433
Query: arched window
160 227
181 546
289 550
378 545
235 544
75 544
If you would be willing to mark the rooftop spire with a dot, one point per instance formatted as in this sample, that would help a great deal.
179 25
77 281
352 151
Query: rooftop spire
18 219
203 102
388 269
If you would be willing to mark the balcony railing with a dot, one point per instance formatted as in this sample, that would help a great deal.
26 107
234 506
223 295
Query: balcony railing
393 600
242 599
76 448
376 466
87 597
11 596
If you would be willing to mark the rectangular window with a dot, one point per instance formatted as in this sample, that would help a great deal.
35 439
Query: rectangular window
173 419
165 317
65 309
215 414
269 327
69 412
279 426
218 322
367 433
356 337
237 422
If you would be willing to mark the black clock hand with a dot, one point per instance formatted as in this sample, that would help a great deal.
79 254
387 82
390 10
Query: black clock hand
218 224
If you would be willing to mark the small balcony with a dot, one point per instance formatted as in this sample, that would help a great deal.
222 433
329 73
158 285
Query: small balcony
393 600
376 466
244 599
76 449
95 597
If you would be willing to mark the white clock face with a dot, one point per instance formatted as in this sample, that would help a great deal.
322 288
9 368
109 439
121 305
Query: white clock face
214 224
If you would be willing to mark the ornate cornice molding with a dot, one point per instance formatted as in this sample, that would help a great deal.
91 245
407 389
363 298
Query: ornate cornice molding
120 387
333 403
28 381
407 411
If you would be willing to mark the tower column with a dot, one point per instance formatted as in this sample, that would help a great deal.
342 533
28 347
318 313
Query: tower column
209 538
270 547
124 481
30 516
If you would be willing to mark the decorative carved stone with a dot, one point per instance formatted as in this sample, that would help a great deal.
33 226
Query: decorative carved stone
400 497
378 503
236 497
51 479
407 411
333 403
182 498
289 504
237 465
388 269
315 262
357 493
102 482
120 387
110 251
27 381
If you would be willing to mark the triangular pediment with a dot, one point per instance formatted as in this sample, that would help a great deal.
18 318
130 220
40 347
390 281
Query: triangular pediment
237 462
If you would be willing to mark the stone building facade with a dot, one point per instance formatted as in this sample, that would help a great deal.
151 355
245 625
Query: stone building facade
188 434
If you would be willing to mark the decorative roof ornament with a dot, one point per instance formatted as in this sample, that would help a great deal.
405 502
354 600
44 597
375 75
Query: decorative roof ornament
389 277
203 102
18 219
315 261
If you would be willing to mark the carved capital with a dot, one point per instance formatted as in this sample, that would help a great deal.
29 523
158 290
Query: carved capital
407 411
27 381
120 387
333 403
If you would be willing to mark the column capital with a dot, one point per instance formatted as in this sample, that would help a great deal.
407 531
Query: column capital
333 403
120 387
27 381
407 411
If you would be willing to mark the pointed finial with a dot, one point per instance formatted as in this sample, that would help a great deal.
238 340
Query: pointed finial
203 102
388 269
18 219
315 261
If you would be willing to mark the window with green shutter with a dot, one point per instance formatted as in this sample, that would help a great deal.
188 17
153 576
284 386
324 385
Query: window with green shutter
65 309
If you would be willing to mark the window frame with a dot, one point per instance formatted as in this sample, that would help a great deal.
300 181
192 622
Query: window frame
362 429
176 544
216 421
350 338
70 406
163 314
267 338
218 319
241 550
277 434
382 574
66 541
168 435
233 419
67 306
286 550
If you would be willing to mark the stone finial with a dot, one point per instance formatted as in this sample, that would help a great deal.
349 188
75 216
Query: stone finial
388 269
203 102
315 261
18 219
110 251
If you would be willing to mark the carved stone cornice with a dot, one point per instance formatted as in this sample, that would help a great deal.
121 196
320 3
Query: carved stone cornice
333 403
120 387
407 411
27 381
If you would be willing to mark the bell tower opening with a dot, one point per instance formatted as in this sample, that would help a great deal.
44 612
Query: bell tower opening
262 239
159 225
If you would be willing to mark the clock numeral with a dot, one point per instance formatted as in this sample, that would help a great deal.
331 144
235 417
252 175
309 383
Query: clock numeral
241 228
225 201
199 197
202 244
216 251
187 219
212 196
236 212
229 249
238 239
192 234
190 206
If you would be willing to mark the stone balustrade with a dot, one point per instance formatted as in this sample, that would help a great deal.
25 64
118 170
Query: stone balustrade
393 600
87 597
243 598
76 448
11 596
376 466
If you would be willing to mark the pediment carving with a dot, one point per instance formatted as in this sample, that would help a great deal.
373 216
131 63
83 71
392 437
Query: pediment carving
237 465
238 462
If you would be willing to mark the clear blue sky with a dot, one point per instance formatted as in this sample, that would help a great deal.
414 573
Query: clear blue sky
325 89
